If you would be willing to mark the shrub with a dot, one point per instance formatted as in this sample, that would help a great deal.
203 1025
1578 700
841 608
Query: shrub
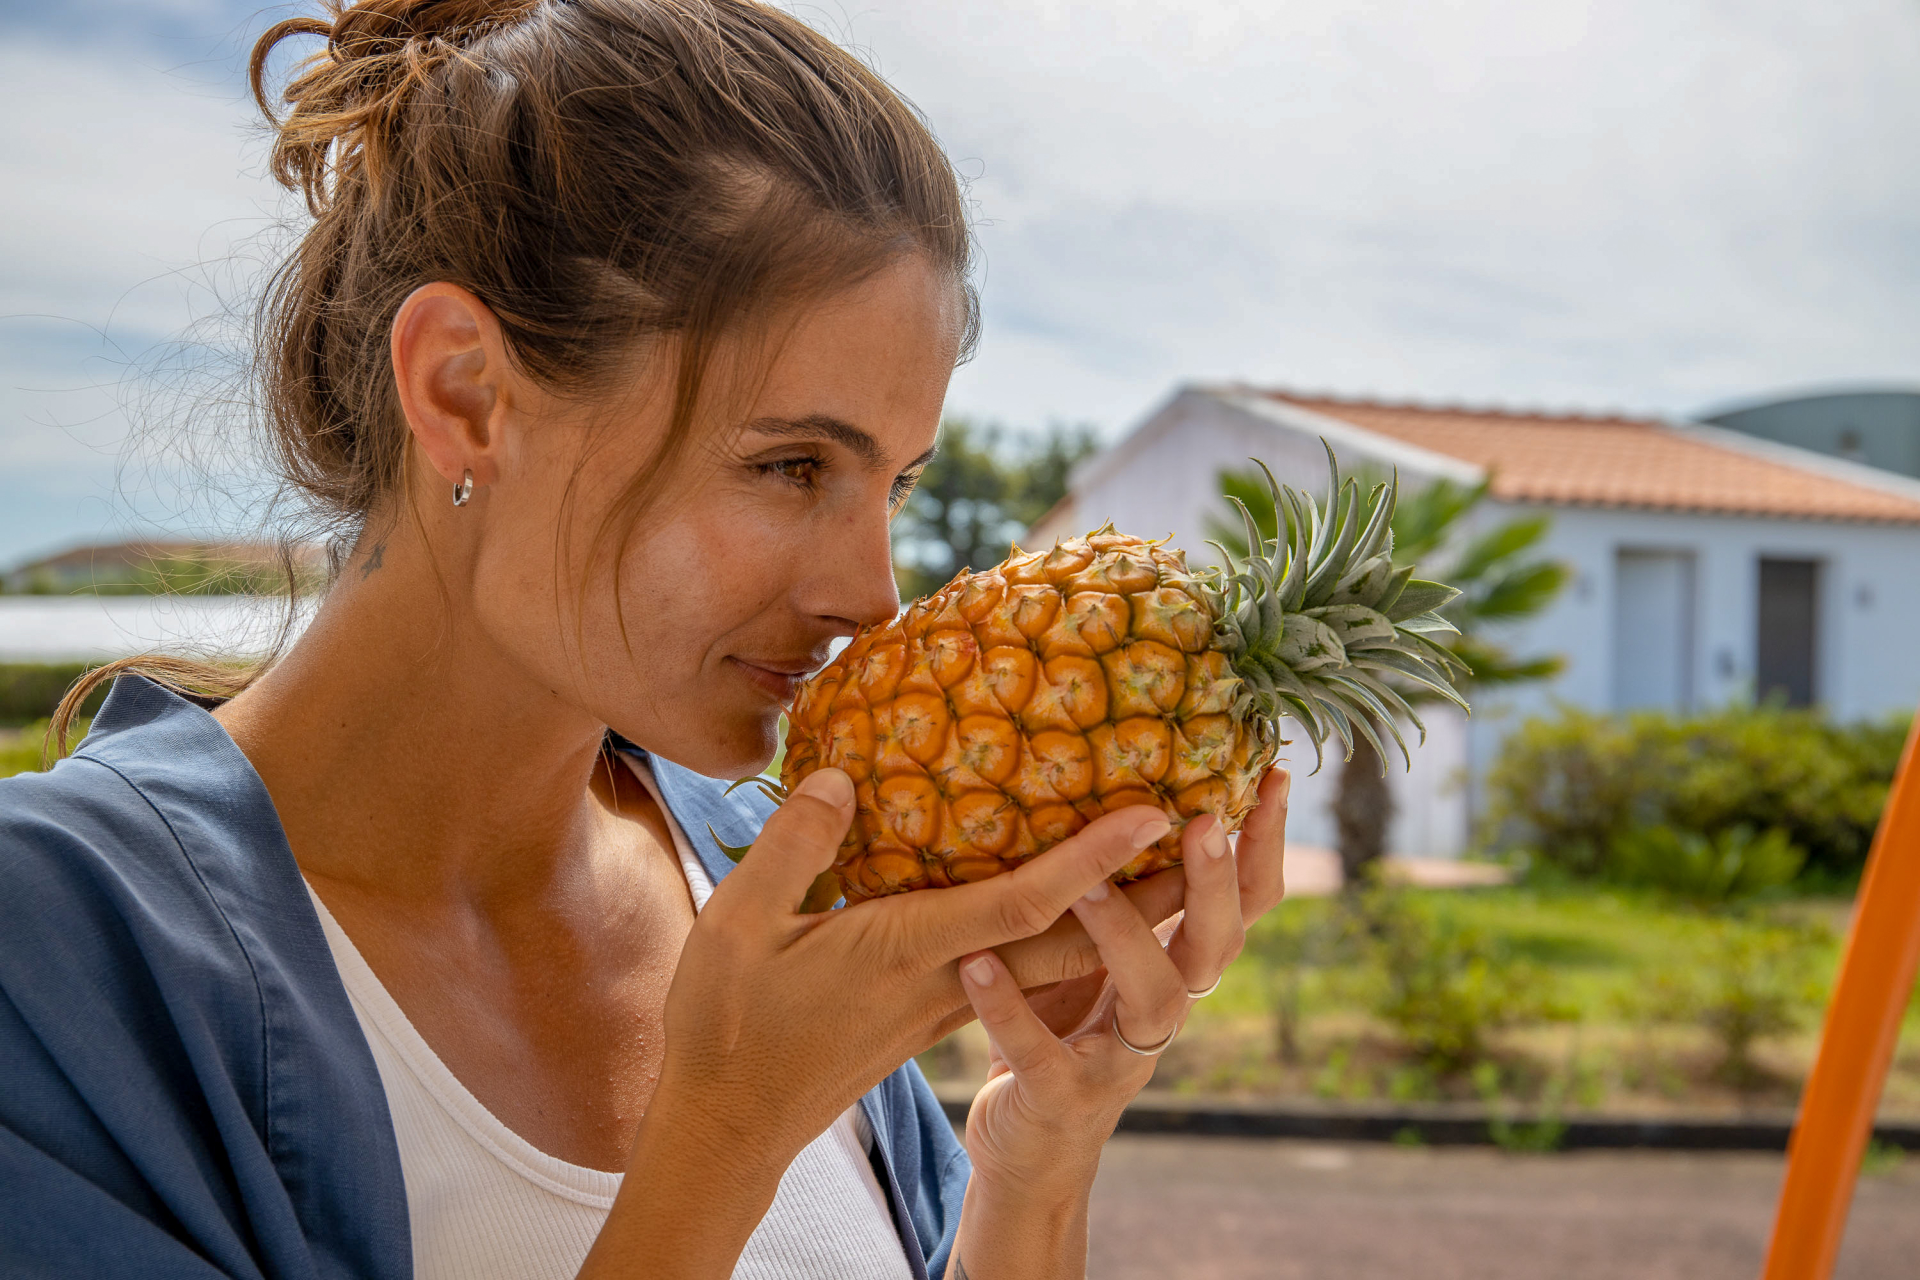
30 691
1442 984
1706 870
1545 1133
1750 980
1301 938
22 751
1568 788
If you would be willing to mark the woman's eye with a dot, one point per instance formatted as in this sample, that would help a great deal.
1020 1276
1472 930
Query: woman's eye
902 490
803 471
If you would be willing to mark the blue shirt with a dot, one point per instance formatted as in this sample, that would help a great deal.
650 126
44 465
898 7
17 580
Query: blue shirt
184 1089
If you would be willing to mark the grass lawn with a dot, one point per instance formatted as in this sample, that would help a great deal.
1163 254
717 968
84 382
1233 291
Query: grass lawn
1572 997
20 748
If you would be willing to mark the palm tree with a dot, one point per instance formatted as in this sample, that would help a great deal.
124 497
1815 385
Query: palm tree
1500 580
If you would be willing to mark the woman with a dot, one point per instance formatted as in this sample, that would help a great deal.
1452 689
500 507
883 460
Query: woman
621 330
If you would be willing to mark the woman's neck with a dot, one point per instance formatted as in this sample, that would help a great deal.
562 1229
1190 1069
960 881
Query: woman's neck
403 749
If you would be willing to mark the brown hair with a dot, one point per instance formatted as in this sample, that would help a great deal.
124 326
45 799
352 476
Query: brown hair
598 172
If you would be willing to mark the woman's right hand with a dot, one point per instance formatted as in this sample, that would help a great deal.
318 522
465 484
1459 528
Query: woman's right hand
778 1021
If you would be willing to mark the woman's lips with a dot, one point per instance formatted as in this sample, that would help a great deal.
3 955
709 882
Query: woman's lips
779 684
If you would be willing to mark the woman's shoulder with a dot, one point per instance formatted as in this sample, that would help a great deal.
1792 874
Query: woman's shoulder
155 809
151 861
79 803
182 1070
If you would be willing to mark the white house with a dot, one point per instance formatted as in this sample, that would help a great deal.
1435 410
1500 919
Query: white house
1706 564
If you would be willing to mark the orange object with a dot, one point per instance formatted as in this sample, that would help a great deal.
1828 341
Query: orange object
1856 1045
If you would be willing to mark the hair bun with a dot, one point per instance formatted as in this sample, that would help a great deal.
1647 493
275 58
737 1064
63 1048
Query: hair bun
347 98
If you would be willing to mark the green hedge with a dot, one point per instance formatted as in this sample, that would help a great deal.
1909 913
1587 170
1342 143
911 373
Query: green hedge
1572 789
29 691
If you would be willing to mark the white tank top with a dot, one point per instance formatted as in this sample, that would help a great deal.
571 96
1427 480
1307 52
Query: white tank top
485 1204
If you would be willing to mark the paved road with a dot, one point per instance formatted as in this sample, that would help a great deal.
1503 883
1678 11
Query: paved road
1170 1208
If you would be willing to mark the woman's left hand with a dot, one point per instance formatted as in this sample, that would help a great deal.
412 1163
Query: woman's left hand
1060 1074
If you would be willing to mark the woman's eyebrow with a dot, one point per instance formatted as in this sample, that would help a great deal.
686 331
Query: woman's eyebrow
821 426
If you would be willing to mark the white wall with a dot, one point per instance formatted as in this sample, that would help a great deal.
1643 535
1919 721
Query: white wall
1163 478
1866 660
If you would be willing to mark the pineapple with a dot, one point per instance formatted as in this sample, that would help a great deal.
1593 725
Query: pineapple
1000 715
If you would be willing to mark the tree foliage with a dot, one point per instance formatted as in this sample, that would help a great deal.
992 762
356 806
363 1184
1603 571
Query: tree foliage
982 490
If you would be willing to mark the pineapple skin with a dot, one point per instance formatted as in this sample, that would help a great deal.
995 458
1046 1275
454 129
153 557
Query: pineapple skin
997 717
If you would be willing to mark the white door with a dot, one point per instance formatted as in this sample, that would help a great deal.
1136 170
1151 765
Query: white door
1653 630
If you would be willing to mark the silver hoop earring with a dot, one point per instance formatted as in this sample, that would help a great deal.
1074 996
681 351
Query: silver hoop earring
463 490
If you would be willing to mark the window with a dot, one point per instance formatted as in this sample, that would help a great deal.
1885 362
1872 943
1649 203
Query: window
1789 599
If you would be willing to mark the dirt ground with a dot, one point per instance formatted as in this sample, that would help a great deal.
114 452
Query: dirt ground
1171 1208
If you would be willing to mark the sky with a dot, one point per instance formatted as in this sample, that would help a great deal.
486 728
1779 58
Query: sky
1648 205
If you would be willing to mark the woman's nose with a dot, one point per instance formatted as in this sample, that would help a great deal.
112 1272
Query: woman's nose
859 570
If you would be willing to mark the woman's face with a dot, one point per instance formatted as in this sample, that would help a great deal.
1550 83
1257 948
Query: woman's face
770 542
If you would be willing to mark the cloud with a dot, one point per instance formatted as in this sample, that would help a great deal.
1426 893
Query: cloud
134 214
1649 204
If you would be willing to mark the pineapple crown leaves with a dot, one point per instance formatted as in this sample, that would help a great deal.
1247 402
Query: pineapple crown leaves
734 852
1318 621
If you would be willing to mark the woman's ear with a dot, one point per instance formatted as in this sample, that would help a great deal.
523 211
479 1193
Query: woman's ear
455 381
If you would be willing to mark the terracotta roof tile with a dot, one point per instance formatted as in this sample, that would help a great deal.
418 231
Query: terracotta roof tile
1616 462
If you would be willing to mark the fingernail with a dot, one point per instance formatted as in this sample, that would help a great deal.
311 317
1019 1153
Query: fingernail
1215 841
830 785
979 972
1098 893
1150 830
1286 784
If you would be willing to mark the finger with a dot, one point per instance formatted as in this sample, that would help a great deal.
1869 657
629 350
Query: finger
1065 952
1016 1032
1211 933
1150 996
1027 900
797 844
1260 848
1160 895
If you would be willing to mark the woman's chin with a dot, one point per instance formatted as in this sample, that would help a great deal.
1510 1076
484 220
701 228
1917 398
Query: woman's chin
730 748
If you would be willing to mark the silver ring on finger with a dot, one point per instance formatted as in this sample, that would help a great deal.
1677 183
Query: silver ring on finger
1202 995
1147 1051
